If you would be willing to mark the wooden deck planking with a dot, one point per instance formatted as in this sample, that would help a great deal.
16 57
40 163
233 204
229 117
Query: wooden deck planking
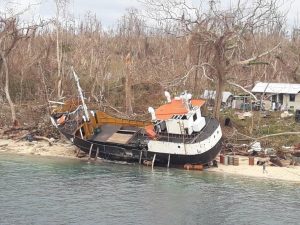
120 138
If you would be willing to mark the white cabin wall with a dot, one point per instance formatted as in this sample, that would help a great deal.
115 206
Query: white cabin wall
185 149
296 103
173 126
190 125
199 124
288 104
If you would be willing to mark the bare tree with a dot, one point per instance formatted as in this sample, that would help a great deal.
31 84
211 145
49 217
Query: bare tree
223 35
11 33
128 84
131 31
61 6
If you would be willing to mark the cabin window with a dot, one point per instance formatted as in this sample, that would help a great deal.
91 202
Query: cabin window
178 146
292 97
281 98
195 117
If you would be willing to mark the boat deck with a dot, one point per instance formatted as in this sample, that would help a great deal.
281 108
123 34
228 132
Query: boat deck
106 132
120 138
117 134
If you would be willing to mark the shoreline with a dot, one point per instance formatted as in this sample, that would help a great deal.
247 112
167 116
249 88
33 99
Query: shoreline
291 174
39 148
68 150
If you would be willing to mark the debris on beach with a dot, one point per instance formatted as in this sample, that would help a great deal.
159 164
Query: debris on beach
286 114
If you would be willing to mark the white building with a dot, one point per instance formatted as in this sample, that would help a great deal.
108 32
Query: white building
283 95
226 97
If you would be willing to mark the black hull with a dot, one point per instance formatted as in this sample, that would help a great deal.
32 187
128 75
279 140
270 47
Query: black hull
203 158
137 153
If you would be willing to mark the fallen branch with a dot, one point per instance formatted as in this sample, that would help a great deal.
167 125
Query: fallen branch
239 86
22 137
278 134
54 102
50 141
267 136
36 137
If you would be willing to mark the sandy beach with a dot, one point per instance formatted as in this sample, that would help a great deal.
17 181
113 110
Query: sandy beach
291 173
65 149
43 148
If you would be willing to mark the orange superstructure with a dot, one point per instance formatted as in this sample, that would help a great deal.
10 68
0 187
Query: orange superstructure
175 107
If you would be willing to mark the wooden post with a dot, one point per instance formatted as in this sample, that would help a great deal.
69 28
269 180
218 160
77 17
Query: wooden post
97 153
90 151
153 160
81 135
169 157
77 154
141 154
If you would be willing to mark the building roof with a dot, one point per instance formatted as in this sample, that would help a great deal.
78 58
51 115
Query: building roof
175 107
276 88
210 94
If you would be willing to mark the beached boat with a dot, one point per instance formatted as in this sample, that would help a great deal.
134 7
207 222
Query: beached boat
177 134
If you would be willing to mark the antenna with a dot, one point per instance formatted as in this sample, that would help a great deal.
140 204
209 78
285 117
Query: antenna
168 96
152 112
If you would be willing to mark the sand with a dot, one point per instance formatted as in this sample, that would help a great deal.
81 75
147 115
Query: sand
291 173
65 149
43 148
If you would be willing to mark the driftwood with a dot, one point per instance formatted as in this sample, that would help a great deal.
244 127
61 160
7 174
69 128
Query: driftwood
36 137
22 137
43 138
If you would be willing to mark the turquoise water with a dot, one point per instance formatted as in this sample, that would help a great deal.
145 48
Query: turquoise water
39 190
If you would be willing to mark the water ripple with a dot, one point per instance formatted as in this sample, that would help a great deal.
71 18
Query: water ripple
58 191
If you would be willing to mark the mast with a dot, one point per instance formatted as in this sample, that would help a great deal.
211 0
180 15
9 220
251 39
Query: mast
81 96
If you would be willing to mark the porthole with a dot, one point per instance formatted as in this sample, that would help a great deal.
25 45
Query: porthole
178 146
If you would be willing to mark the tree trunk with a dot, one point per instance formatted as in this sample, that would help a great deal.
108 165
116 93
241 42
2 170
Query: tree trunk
94 77
220 74
6 89
58 51
197 71
128 91
218 98
58 56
